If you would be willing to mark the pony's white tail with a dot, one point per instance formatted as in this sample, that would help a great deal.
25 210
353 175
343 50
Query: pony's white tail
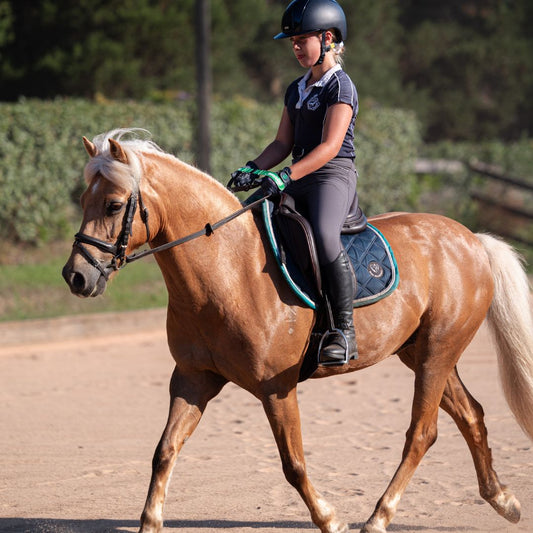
511 324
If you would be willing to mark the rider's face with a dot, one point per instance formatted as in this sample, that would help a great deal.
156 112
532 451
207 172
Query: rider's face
307 48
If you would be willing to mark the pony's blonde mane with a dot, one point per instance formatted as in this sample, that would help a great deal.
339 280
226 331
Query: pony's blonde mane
124 175
134 141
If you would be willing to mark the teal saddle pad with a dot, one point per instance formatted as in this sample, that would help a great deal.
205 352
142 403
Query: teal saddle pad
371 256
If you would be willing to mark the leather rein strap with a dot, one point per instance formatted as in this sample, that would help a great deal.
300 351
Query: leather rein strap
208 230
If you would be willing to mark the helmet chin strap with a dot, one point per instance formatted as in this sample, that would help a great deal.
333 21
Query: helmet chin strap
323 50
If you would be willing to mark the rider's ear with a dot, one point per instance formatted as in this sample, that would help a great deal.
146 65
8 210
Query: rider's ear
90 147
117 151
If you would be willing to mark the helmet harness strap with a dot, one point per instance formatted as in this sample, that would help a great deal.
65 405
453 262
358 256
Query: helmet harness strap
323 50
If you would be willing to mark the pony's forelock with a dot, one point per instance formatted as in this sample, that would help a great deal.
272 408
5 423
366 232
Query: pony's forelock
127 175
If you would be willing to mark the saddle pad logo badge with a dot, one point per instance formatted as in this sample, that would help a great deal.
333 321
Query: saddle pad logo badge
375 269
313 103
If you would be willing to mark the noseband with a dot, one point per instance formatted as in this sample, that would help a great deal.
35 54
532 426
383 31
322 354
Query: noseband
117 250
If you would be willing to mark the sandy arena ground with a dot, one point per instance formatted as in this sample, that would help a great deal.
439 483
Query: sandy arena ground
83 403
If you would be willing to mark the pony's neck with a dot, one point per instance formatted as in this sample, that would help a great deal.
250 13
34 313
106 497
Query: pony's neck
184 200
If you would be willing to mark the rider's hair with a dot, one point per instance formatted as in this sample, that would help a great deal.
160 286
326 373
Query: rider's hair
337 47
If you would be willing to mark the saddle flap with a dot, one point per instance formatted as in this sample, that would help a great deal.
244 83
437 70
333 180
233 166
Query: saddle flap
297 241
292 242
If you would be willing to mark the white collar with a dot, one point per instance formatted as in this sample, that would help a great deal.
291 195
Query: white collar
303 90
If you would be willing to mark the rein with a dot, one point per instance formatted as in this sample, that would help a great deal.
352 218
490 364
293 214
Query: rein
120 259
207 230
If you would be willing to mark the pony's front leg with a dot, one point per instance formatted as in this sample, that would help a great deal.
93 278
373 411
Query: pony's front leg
284 417
189 395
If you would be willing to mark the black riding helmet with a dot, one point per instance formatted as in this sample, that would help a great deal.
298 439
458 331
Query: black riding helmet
308 16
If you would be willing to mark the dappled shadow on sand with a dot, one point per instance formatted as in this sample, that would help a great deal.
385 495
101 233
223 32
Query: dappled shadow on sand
54 525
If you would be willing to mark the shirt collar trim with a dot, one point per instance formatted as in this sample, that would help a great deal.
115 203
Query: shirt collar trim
303 90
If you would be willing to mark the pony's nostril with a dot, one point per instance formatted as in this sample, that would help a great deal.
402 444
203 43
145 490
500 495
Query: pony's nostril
78 282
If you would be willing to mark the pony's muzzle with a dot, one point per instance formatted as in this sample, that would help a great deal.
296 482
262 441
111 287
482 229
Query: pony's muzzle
84 282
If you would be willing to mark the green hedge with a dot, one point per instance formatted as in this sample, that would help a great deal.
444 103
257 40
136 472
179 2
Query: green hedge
387 144
42 158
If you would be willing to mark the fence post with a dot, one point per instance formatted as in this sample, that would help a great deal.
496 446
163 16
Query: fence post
203 84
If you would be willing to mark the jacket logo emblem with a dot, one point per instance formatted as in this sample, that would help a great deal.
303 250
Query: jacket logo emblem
313 103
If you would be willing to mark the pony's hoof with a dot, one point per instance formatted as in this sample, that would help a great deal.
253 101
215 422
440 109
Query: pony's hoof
336 527
373 528
507 506
151 526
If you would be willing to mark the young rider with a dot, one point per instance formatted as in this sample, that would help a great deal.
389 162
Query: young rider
317 126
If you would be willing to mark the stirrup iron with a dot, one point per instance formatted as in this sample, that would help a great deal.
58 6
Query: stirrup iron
333 362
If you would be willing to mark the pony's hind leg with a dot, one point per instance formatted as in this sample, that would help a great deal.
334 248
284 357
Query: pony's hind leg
468 415
284 417
432 360
189 395
469 418
421 435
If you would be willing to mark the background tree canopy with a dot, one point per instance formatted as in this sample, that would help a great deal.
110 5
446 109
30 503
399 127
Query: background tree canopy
464 66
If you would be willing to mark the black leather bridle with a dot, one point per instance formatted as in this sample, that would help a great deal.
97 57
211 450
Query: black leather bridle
117 250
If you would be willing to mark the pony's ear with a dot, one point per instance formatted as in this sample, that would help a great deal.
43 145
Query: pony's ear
117 151
90 147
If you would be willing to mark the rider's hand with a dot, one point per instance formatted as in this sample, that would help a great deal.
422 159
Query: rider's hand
242 179
275 182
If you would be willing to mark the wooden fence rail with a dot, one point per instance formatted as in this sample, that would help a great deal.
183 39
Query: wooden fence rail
497 173
492 172
489 200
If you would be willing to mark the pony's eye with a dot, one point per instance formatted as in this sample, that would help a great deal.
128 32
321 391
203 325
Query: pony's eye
114 207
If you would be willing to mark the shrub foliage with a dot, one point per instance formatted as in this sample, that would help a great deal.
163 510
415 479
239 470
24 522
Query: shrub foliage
42 158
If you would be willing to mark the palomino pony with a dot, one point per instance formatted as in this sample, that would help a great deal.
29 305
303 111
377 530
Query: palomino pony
232 316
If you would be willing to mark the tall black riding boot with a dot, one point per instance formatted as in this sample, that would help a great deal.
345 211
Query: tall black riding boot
339 286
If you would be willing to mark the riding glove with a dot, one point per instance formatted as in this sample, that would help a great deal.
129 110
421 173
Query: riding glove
243 178
275 182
